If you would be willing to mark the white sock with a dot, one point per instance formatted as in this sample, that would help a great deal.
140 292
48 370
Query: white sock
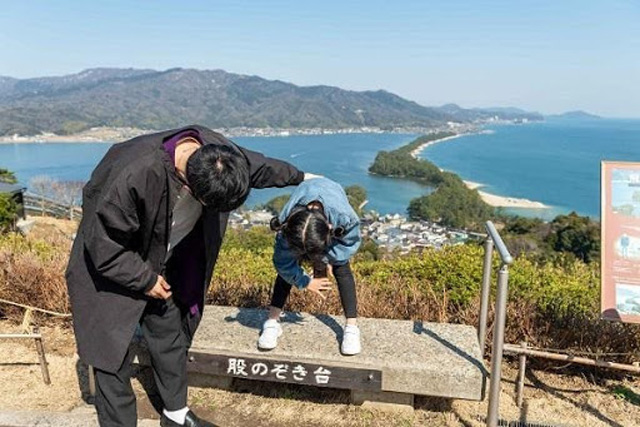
178 416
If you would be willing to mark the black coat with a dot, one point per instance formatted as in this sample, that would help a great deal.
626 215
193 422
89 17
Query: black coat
122 240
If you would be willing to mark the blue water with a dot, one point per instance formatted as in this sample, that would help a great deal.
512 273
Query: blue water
344 158
555 162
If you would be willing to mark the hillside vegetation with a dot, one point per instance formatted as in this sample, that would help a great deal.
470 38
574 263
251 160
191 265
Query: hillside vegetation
451 203
149 99
552 304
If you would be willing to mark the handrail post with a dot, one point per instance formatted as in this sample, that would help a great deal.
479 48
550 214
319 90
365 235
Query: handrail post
498 343
484 296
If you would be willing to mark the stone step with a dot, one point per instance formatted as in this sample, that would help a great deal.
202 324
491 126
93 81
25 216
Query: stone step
417 358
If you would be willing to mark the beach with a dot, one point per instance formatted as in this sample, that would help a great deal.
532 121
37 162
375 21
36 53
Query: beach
490 199
416 152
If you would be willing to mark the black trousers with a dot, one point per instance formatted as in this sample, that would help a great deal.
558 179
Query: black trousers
346 287
165 327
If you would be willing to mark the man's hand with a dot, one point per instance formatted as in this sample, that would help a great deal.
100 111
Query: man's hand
319 285
160 290
308 176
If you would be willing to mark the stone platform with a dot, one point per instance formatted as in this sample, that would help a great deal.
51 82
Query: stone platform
398 357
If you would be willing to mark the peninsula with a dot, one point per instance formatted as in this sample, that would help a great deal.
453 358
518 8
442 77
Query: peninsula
453 202
490 199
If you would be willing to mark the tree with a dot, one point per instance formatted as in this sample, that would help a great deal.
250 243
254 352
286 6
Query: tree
68 193
402 163
276 204
357 196
452 204
42 185
522 225
7 176
8 205
8 212
369 250
576 234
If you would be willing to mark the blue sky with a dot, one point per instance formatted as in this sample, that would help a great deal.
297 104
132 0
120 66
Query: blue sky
543 55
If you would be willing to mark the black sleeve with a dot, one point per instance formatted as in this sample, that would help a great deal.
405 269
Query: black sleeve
110 242
268 172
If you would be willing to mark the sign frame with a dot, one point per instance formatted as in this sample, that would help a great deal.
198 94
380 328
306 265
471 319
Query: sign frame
620 241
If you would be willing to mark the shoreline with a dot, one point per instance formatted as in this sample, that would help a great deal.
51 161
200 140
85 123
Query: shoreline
113 135
416 151
108 135
491 199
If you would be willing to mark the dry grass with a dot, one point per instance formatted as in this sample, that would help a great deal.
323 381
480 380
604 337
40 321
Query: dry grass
558 397
32 272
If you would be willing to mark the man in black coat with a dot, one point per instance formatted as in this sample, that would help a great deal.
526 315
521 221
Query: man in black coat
154 214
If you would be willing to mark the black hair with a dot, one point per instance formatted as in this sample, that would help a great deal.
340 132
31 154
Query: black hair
308 233
218 176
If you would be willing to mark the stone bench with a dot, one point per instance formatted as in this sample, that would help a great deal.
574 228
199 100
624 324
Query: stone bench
400 359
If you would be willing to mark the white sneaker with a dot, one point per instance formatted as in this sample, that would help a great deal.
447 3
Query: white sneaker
351 341
271 331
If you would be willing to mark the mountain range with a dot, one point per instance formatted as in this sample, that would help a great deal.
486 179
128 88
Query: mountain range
150 99
574 115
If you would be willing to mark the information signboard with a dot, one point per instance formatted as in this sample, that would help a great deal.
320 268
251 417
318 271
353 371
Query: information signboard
620 216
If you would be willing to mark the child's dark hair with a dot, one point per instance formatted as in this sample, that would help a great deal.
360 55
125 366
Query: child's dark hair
218 175
307 232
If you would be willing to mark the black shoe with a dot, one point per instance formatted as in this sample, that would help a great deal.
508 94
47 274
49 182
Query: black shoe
190 421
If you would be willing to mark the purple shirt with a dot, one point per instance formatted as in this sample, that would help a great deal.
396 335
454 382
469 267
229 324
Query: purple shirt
171 143
191 291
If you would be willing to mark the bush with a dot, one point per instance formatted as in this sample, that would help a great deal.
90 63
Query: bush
32 272
7 176
276 204
555 304
576 234
452 204
356 195
566 234
551 304
8 212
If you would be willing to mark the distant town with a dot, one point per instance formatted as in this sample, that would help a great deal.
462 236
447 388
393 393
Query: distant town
116 134
391 232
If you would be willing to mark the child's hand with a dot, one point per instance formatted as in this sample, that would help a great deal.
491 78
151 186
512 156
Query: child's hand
319 285
308 176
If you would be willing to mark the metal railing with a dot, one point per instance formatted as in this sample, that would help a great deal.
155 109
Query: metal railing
29 331
36 204
494 240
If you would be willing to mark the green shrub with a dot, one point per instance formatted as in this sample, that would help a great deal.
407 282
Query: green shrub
276 204
7 176
551 304
8 212
255 240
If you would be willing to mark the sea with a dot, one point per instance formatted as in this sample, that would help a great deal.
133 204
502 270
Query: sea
556 162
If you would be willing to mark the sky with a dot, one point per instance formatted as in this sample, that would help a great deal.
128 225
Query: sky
548 56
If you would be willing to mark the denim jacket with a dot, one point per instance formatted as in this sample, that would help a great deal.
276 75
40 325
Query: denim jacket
339 214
